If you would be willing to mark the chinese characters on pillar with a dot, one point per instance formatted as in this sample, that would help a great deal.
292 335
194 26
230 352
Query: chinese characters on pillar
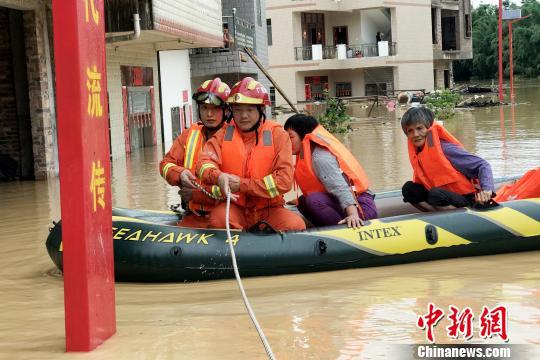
97 185
90 8
93 84
492 322
94 109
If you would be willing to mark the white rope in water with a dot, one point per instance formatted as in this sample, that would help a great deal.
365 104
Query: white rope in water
264 340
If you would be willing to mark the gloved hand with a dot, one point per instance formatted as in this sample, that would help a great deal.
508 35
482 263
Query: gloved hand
186 179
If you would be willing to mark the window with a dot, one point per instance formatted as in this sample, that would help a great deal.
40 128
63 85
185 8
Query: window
273 96
269 31
468 25
343 89
314 87
434 25
259 13
376 89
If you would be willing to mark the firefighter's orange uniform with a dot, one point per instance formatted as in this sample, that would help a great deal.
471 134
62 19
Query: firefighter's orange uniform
184 155
262 159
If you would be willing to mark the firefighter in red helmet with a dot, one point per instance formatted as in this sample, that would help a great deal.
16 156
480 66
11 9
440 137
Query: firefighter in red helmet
252 158
178 165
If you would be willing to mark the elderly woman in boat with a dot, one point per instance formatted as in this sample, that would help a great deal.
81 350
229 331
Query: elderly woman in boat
333 183
446 176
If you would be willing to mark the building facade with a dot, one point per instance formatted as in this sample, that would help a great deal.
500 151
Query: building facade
362 48
244 24
28 143
451 29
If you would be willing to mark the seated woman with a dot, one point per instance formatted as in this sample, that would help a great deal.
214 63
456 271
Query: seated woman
445 176
334 185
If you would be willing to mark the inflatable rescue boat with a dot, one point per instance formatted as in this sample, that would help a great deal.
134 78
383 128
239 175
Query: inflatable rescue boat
148 247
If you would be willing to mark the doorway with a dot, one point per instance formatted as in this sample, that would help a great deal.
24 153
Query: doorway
446 79
312 29
16 141
138 106
341 35
141 132
449 41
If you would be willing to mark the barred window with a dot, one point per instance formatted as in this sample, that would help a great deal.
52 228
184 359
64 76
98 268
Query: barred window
269 31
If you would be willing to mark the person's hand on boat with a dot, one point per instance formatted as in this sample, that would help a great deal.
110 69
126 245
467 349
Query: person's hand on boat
186 194
353 219
187 179
483 197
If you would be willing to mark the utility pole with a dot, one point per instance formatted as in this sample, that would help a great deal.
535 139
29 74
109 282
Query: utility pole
510 23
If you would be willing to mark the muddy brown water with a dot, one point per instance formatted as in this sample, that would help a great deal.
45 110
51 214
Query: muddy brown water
352 314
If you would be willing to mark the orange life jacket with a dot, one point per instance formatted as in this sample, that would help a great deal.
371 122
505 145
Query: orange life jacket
527 187
193 146
304 174
431 167
256 165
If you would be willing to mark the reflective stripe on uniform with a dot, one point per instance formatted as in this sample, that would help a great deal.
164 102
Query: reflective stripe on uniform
166 169
271 186
229 132
267 138
216 191
205 167
191 148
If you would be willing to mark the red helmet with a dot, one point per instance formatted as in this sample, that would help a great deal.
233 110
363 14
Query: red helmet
249 91
212 92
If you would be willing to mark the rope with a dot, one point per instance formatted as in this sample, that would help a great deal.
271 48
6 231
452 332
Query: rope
263 338
251 313
205 192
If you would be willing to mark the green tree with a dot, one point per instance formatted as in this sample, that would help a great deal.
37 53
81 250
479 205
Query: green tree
526 38
335 118
443 102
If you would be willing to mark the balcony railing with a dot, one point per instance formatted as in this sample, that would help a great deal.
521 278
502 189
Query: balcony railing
353 51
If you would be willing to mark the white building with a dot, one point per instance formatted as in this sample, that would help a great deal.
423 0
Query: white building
332 45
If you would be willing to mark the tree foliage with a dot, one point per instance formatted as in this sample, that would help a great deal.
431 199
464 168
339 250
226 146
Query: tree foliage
526 39
335 118
443 102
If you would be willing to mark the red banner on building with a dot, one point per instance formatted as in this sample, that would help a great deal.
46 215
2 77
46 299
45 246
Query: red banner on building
85 172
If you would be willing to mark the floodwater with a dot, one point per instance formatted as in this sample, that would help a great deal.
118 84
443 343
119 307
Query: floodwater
352 314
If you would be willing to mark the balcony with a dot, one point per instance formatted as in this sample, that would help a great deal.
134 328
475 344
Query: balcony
166 24
352 52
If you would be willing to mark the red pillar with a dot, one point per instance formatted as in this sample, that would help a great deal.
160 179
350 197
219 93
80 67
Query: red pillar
85 192
501 92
